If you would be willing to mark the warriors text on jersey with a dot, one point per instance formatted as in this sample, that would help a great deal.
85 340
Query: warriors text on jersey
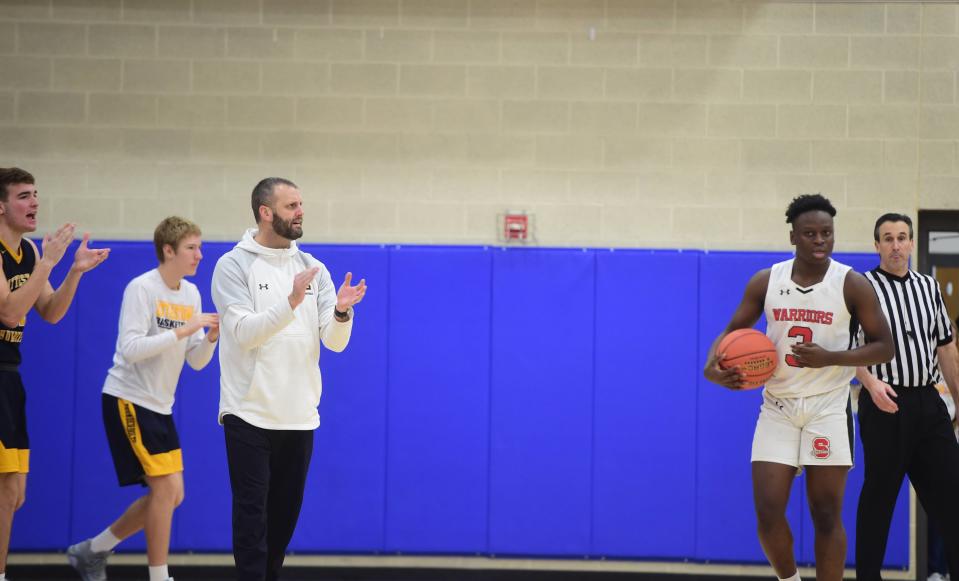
17 266
815 314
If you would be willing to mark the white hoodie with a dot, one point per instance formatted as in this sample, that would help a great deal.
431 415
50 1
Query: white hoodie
269 353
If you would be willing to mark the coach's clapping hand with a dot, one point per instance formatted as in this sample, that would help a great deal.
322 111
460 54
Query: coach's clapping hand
348 295
300 282
730 378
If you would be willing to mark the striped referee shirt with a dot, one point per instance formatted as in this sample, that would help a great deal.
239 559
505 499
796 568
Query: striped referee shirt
917 315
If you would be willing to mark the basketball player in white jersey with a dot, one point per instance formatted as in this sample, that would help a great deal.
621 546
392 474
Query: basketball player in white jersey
811 303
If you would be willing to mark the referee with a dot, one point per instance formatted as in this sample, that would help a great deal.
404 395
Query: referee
904 425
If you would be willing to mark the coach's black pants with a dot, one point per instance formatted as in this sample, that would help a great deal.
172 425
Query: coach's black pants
917 441
267 474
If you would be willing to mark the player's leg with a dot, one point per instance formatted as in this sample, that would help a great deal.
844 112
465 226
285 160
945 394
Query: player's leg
288 469
775 462
826 451
9 493
771 486
166 494
14 456
883 455
248 456
825 488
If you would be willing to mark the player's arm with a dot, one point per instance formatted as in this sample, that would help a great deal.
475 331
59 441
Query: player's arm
863 304
747 313
52 305
15 304
200 346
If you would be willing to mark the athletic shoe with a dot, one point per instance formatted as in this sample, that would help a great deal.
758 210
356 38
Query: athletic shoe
91 566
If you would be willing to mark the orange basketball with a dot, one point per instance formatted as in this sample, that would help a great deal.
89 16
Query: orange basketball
753 352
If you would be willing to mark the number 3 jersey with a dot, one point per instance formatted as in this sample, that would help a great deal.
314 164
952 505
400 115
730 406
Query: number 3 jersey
815 314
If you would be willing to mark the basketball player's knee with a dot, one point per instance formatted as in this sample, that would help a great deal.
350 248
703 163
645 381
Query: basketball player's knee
10 499
826 517
167 491
769 516
21 499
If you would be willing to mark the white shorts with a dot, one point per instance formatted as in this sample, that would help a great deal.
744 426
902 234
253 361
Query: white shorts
805 431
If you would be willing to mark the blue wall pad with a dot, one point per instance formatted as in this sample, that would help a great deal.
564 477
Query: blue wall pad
541 403
202 523
48 372
644 439
438 436
97 498
491 401
343 508
726 521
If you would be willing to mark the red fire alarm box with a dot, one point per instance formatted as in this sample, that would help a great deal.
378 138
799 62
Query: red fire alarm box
516 227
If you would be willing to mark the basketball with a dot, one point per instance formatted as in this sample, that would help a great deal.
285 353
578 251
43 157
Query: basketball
753 352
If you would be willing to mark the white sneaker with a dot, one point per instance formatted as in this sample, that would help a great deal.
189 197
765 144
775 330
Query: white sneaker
936 577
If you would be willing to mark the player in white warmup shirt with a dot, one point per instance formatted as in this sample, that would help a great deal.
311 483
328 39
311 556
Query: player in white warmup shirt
813 305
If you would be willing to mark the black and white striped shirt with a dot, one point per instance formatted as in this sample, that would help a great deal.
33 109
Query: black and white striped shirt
917 316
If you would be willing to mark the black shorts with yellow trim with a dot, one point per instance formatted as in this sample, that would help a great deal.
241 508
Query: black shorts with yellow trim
142 442
14 443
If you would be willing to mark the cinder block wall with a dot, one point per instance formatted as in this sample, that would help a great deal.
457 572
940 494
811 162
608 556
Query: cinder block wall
627 123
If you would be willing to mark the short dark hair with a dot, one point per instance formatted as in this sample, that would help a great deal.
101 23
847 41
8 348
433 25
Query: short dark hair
10 176
263 194
891 217
808 203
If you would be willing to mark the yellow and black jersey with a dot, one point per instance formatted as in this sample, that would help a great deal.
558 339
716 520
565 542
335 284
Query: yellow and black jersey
17 266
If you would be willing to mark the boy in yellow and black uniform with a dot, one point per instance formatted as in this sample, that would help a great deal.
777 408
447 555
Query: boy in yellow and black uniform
27 286
14 442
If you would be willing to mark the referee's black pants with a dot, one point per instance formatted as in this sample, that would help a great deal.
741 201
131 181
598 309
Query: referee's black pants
267 475
917 441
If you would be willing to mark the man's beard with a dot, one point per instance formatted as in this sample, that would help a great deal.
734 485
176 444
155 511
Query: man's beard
285 228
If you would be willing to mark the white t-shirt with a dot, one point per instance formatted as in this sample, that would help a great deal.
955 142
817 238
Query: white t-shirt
149 357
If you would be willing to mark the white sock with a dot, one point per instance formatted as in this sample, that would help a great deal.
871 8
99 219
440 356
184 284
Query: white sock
3 577
793 578
158 573
105 541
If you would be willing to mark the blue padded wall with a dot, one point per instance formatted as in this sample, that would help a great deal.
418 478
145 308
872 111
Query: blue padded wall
726 522
438 435
203 517
97 498
48 373
644 424
541 402
490 402
343 506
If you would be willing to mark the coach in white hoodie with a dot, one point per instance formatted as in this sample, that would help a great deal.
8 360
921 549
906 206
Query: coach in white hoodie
276 303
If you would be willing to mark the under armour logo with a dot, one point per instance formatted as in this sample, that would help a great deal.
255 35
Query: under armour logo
783 291
264 286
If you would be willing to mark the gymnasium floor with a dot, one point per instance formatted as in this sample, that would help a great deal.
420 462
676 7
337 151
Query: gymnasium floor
129 573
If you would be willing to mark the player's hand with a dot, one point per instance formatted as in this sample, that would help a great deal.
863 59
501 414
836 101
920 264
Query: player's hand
811 355
348 295
882 395
197 322
55 245
300 282
731 378
213 331
85 258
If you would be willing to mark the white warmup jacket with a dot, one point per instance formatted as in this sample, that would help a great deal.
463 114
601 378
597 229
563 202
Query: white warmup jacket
269 353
